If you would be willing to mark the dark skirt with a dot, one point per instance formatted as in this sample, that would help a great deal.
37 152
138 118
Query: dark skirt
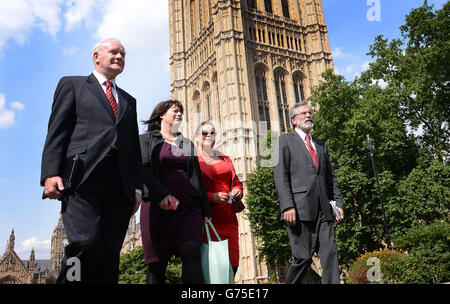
163 230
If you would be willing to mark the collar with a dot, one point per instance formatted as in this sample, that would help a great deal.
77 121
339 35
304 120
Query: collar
102 79
302 134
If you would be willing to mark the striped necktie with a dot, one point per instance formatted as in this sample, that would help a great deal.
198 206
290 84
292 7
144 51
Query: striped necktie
112 100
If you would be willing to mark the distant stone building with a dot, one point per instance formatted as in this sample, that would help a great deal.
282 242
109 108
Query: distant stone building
133 238
15 271
59 241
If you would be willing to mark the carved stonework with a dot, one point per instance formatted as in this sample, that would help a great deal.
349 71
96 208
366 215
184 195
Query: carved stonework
235 49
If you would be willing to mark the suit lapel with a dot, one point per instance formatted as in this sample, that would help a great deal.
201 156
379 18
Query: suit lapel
97 90
319 150
301 146
123 104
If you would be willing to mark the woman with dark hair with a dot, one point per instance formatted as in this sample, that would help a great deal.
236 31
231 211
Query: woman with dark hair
223 187
175 206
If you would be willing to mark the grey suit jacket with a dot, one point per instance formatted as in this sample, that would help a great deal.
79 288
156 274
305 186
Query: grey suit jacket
299 183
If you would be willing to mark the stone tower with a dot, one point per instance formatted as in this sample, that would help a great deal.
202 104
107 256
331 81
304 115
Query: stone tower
59 238
242 64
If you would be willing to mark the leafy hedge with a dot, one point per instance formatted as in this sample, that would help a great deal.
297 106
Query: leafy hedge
357 273
133 270
428 261
421 256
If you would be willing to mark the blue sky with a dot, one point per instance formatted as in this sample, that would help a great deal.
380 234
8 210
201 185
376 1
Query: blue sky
43 40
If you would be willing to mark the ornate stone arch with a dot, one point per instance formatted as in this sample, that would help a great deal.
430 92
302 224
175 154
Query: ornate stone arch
280 76
299 82
9 279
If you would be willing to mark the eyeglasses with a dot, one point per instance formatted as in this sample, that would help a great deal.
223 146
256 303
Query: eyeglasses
304 113
205 133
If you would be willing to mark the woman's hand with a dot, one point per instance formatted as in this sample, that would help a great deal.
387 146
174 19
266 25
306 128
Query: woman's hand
164 203
237 193
220 198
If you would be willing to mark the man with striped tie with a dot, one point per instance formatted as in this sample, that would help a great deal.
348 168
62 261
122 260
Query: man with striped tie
91 163
306 184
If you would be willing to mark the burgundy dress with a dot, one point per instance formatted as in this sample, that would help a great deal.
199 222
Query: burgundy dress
162 230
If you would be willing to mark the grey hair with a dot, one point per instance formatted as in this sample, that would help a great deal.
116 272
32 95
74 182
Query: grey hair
293 111
99 45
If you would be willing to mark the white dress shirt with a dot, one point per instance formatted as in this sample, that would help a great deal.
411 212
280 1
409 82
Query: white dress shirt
303 137
102 80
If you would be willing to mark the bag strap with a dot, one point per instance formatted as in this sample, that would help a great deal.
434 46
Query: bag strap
213 229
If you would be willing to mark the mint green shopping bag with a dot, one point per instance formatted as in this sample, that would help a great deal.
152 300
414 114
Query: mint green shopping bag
216 265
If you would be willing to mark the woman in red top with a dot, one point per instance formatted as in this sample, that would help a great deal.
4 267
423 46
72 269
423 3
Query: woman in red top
220 181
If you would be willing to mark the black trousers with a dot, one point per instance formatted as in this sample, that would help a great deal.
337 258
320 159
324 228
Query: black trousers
307 238
96 219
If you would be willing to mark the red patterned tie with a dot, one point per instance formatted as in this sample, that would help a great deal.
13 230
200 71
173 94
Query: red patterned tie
111 98
311 150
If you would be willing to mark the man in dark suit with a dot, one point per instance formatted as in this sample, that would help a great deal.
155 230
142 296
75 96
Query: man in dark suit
91 162
306 184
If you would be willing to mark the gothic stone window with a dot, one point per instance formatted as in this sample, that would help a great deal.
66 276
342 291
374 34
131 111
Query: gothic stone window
196 102
268 5
251 4
282 104
261 93
298 88
285 6
207 100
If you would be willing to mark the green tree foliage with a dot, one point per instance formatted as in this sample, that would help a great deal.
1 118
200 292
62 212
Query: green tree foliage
133 270
417 69
428 260
422 197
262 204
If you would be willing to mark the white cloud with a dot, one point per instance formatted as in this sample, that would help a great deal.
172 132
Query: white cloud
365 66
349 68
33 242
41 248
7 116
140 26
383 84
339 54
78 11
19 17
143 28
70 51
15 105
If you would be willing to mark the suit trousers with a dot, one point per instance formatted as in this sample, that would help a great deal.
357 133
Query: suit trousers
307 237
96 218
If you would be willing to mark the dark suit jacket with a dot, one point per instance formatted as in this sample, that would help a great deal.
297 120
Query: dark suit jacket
299 183
82 123
151 169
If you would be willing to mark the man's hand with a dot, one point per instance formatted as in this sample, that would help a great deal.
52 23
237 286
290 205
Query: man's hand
290 217
220 198
342 215
53 187
138 203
